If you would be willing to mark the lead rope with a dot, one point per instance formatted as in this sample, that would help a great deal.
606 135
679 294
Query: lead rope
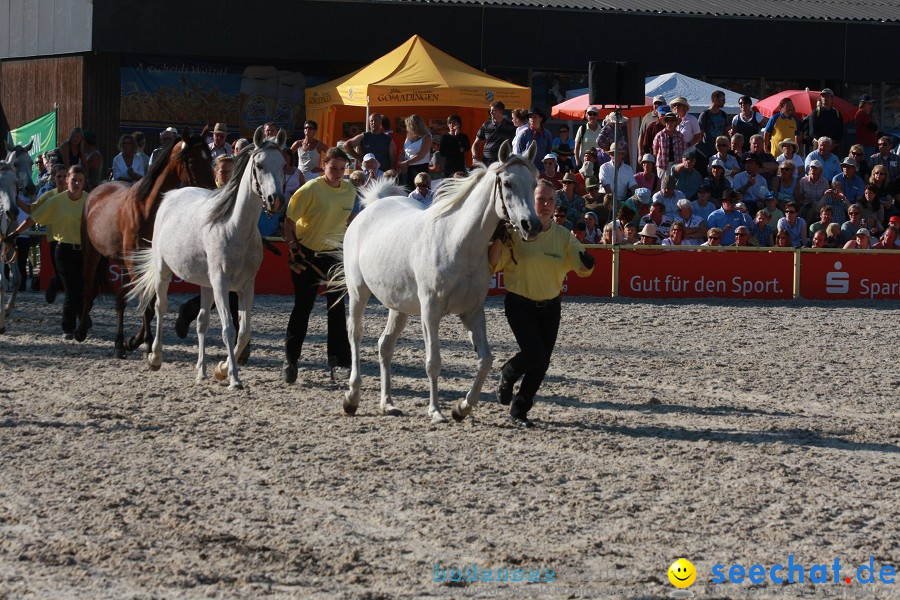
510 228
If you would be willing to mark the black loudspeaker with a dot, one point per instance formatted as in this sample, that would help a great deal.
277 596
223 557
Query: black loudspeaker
619 83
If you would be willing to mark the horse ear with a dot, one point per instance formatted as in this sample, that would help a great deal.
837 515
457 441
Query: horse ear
281 137
29 146
186 133
531 151
259 137
505 151
205 132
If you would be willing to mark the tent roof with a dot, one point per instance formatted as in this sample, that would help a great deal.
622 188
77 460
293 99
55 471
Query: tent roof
695 91
415 74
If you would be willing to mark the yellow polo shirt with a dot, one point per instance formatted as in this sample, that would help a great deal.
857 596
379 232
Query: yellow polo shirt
62 216
34 205
320 213
542 264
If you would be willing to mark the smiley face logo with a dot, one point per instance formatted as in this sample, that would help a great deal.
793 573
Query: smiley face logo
682 573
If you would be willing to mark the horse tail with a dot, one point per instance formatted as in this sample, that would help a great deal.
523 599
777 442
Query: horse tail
144 277
337 277
382 187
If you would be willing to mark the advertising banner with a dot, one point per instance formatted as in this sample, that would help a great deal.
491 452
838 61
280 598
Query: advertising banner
598 284
42 131
850 275
658 273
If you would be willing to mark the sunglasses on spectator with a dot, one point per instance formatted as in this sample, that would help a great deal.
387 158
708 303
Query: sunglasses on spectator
713 237
742 233
855 154
854 213
790 210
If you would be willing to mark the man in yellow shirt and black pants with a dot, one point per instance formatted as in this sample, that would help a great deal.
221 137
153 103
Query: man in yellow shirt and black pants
314 226
533 273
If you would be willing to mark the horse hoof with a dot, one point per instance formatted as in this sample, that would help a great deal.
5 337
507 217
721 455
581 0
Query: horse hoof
350 409
155 361
244 356
437 418
80 336
458 413
221 371
154 367
237 385
392 411
120 353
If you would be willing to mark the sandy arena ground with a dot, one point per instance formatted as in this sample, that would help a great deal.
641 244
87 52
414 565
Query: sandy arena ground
723 432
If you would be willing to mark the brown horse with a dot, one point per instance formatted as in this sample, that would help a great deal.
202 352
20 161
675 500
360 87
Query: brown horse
118 218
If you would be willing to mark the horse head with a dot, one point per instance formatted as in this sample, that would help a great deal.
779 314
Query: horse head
20 159
267 164
514 187
192 161
8 209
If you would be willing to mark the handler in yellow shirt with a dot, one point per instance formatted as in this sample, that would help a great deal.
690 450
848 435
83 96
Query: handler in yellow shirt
533 273
314 225
62 212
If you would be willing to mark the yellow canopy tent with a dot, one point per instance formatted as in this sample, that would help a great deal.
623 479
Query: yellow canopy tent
416 78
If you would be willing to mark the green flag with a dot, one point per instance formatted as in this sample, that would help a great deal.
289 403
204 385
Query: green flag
42 130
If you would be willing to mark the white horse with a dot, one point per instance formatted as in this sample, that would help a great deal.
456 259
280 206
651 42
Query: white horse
15 177
210 238
433 262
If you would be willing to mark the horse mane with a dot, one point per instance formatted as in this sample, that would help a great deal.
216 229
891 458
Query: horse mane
146 183
383 187
452 192
224 198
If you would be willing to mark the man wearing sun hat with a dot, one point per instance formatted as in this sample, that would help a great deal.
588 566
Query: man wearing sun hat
688 126
219 146
668 145
538 134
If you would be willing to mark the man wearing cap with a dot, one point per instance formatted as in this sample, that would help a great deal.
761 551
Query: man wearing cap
625 184
866 125
539 135
783 124
773 213
645 141
669 196
374 141
847 189
831 165
713 123
651 117
658 218
891 162
728 218
165 136
586 136
668 145
750 183
491 135
219 146
688 178
639 203
826 119
861 240
549 171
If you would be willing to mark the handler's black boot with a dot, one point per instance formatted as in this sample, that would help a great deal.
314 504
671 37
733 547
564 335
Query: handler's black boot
505 390
518 412
289 370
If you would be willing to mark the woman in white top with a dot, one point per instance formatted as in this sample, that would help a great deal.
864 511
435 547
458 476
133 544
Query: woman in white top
416 149
127 166
309 151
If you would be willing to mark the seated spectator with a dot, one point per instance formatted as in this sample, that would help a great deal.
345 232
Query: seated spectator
676 235
812 189
895 222
716 182
630 233
578 231
786 186
687 178
742 236
639 203
742 208
694 230
422 193
863 168
833 239
391 174
731 166
608 235
762 235
831 165
889 160
564 148
888 240
591 230
794 225
703 206
872 213
601 205
861 240
669 197
649 235
819 239
848 182
624 179
789 154
648 178
737 149
772 211
750 182
626 216
551 172
713 237
658 218
879 178
824 221
727 218
569 200
371 167
767 163
560 217
853 224
783 240
127 165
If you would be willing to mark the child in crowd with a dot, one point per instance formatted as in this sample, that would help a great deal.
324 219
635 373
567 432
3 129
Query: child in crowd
423 193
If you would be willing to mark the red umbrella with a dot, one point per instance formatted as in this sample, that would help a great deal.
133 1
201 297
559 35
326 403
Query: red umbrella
804 103
574 108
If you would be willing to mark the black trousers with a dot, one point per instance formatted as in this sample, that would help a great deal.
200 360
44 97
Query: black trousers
191 309
306 287
71 273
535 326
